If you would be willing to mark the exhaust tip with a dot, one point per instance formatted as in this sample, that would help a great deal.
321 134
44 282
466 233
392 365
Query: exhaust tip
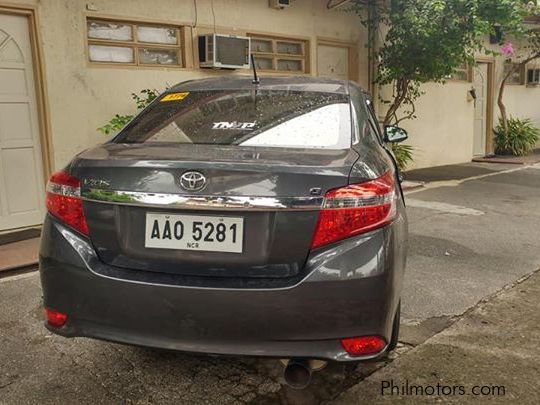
297 374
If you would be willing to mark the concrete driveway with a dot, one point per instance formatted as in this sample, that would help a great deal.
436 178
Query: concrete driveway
469 239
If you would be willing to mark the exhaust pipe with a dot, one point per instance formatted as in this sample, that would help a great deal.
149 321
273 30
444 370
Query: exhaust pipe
297 372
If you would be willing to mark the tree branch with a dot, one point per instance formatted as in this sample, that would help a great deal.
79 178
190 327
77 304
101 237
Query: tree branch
500 98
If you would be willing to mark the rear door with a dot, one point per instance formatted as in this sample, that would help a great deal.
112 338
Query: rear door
225 184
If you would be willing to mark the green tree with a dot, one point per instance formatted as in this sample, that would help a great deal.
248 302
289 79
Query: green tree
426 40
528 40
116 123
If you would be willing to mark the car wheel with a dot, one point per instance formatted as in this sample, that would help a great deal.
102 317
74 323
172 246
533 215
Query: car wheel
395 329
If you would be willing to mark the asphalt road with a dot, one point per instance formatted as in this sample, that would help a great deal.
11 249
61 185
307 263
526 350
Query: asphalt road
458 257
468 240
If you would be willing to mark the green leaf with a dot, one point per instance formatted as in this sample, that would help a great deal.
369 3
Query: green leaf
142 100
403 154
520 139
427 40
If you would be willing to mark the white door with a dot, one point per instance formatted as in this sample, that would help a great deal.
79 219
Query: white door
480 109
21 166
333 61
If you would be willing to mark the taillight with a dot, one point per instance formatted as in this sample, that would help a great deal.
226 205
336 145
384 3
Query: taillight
64 201
356 209
55 319
363 346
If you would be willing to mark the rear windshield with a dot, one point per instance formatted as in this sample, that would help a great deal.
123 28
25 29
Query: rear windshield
245 118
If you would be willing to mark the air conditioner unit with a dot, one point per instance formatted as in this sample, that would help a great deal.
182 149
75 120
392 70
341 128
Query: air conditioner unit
224 51
279 4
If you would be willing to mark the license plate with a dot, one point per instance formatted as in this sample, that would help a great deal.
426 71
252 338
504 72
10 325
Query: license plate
194 232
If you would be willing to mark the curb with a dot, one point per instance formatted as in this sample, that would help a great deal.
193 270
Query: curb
19 269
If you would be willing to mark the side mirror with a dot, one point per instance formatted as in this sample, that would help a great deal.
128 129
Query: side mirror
394 134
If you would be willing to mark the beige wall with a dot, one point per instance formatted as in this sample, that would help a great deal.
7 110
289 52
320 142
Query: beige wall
82 97
521 101
524 102
443 132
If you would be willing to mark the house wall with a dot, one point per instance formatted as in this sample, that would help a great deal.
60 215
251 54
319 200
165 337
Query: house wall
521 101
443 132
524 102
82 96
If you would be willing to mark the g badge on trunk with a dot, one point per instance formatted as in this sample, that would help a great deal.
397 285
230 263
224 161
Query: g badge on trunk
192 181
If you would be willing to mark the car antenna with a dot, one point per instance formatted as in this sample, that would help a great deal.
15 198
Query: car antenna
255 77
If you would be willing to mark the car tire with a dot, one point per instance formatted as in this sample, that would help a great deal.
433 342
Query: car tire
395 329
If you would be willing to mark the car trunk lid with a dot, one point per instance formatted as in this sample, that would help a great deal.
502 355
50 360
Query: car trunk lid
274 192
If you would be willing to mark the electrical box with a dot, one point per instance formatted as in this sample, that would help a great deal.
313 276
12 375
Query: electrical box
279 4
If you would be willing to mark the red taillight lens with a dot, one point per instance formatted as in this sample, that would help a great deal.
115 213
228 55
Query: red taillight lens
64 201
55 319
363 346
356 209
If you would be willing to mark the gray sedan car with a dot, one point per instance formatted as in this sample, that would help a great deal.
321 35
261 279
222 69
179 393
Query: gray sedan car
233 217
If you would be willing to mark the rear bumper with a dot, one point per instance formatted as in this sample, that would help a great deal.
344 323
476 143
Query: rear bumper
350 290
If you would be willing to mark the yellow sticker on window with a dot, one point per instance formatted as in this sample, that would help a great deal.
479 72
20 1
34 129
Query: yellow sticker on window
175 96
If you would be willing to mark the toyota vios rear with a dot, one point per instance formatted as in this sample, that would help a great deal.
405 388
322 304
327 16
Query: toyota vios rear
233 218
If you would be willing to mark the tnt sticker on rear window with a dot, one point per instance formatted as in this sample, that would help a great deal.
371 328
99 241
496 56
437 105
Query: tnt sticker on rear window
243 126
175 96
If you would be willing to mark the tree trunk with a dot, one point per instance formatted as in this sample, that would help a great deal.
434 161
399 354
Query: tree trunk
401 89
500 102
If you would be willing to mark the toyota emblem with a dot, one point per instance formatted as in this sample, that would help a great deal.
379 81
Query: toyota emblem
192 181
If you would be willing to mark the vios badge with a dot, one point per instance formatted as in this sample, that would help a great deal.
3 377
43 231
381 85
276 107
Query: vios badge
192 181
